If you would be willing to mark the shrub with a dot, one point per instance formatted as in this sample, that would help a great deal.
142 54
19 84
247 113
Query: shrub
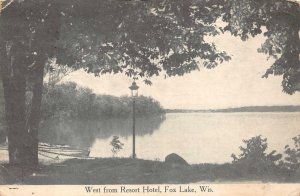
116 144
292 158
255 160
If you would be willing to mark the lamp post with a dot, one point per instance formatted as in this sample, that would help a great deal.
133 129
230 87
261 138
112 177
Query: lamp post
134 93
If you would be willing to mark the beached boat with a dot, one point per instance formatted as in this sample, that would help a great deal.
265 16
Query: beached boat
53 152
62 151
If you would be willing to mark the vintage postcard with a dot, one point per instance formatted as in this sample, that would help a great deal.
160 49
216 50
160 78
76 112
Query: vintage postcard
149 97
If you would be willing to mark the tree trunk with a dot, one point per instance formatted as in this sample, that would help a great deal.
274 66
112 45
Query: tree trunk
2 120
23 47
34 109
22 122
14 85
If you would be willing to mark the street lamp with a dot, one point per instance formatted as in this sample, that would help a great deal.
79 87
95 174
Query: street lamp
134 93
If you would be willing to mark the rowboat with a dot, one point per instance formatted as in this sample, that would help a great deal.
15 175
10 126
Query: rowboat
50 152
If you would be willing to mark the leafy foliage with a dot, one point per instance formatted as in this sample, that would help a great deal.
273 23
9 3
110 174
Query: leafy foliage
29 30
138 38
70 101
254 159
146 38
116 144
141 39
292 159
281 19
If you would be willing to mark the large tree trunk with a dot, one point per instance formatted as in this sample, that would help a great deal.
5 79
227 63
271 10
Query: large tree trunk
22 59
28 33
14 85
35 91
23 95
2 121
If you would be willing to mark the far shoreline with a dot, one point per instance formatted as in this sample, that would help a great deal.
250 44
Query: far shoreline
246 109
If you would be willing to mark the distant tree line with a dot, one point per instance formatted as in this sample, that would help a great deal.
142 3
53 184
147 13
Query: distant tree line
283 108
68 100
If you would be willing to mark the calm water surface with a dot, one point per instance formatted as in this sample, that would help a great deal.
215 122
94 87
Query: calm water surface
197 137
206 137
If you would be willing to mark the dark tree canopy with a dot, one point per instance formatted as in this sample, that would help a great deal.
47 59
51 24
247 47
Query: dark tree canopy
146 38
141 38
281 18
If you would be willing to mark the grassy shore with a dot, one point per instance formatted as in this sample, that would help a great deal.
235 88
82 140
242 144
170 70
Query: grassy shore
129 171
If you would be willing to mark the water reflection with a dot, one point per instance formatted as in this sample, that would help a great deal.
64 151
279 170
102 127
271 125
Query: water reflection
207 137
78 133
197 137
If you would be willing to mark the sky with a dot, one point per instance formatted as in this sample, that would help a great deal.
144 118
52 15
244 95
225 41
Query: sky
232 84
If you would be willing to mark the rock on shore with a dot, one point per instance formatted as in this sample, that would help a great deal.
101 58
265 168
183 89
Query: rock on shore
175 160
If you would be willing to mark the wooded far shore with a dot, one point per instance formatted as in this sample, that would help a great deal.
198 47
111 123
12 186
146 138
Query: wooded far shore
288 108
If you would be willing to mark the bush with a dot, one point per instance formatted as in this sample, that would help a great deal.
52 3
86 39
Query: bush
254 160
292 158
116 144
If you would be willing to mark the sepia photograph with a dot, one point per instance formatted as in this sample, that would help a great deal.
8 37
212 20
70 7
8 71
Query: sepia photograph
149 97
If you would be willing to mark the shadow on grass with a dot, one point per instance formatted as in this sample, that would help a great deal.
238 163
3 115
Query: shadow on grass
130 171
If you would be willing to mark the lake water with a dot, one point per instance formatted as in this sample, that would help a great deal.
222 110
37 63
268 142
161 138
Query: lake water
197 137
206 137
